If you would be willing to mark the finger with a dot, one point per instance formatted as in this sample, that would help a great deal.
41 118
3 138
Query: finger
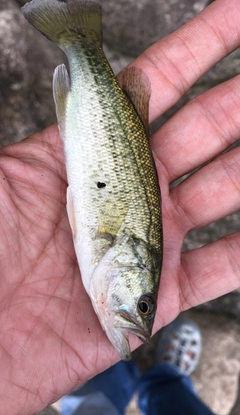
176 62
209 272
203 128
197 276
209 194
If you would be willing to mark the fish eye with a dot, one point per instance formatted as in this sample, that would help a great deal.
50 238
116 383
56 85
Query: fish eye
146 305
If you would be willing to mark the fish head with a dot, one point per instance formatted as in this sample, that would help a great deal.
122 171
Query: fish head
126 304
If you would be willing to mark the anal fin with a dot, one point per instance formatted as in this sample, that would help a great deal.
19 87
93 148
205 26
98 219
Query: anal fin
61 89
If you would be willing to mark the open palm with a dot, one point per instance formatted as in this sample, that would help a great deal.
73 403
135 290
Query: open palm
50 338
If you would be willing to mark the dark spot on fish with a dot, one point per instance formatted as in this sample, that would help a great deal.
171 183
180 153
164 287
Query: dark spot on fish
4 178
100 185
88 330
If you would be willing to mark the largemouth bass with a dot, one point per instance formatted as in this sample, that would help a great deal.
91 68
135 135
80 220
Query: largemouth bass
113 196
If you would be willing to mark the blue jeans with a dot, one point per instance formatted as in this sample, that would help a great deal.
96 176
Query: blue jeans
162 389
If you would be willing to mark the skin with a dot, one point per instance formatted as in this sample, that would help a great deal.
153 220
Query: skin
50 337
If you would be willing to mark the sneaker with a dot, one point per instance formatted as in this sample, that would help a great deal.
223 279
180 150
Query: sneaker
180 345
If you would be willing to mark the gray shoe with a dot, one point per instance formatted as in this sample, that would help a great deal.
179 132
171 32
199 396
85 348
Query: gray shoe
180 345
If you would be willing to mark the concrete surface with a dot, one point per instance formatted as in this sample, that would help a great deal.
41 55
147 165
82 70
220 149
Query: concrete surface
216 377
26 106
49 411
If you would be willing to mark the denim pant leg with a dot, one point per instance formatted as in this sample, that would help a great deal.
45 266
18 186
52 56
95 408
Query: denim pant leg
109 392
164 390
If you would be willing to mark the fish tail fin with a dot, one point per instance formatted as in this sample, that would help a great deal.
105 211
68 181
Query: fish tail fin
63 22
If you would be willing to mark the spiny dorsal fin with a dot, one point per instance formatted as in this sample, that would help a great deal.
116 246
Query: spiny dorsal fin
61 89
138 88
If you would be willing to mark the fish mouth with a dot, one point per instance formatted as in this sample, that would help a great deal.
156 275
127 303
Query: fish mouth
129 324
118 332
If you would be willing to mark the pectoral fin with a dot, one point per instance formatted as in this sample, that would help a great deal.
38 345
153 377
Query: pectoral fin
138 88
61 89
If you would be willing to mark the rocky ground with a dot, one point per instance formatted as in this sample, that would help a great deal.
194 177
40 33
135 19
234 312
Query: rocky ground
27 61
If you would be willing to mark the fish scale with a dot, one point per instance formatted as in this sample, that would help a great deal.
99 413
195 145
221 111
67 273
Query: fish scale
129 161
113 196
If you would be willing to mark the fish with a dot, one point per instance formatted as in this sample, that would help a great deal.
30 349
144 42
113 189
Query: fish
113 195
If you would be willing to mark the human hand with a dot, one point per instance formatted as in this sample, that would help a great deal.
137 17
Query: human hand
51 340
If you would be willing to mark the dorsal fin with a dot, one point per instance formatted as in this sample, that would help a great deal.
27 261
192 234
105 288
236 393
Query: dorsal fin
138 88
